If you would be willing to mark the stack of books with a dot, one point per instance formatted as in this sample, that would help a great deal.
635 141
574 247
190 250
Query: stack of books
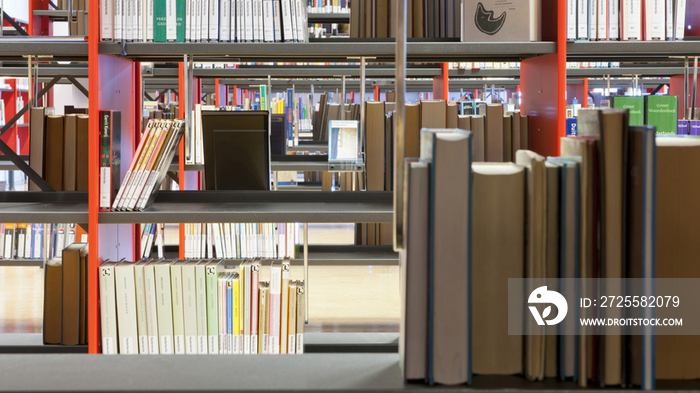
147 169
203 21
26 241
199 307
238 241
58 151
628 20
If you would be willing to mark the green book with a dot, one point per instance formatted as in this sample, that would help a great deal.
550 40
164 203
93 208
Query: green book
662 113
159 21
213 269
180 13
635 106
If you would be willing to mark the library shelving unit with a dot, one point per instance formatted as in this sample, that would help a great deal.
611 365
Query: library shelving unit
116 83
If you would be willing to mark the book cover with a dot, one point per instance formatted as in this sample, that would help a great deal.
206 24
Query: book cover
126 307
212 272
164 306
108 309
694 127
571 126
141 319
635 105
662 113
683 127
149 279
160 21
180 20
51 332
110 157
176 282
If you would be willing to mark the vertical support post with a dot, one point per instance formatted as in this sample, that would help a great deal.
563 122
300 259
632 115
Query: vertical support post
686 80
2 16
306 272
584 101
400 152
217 94
94 182
376 93
691 115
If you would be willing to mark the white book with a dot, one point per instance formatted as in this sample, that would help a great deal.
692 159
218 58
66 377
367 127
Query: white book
592 20
284 305
189 302
669 19
236 240
176 281
144 239
214 20
216 235
259 21
268 21
131 29
234 20
248 20
570 19
20 245
632 18
197 156
205 20
225 21
302 24
602 20
680 20
164 307
141 322
300 319
188 19
201 289
106 20
60 238
118 20
149 279
210 241
614 20
28 241
247 310
291 239
171 20
581 20
254 305
226 241
108 309
655 14
149 20
149 241
126 308
139 20
292 318
198 26
221 303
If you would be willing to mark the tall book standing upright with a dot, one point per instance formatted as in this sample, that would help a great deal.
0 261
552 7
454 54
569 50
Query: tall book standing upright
448 152
110 156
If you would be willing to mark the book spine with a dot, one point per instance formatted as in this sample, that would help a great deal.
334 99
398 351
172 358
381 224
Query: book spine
277 16
171 20
582 20
614 20
38 244
284 306
160 21
225 21
189 294
108 311
214 20
178 309
291 319
655 20
592 20
151 309
237 336
602 19
275 309
180 20
300 320
221 298
118 18
164 308
571 20
141 320
212 306
105 160
268 23
301 20
680 20
126 309
254 306
149 20
107 20
205 21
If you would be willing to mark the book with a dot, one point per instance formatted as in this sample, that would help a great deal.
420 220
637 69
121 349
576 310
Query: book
164 306
110 156
662 113
70 152
141 319
275 292
150 283
177 289
494 132
292 318
212 271
449 157
635 105
51 331
53 162
300 320
108 309
70 294
127 329
499 253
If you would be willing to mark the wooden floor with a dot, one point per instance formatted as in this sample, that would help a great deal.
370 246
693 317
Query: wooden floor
341 298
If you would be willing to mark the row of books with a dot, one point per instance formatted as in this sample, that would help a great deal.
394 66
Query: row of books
653 110
152 234
424 18
327 6
527 223
516 65
200 307
65 296
147 169
58 149
633 20
203 21
26 241
239 241
78 5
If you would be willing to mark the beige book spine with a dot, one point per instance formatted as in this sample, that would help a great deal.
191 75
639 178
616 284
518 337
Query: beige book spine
201 288
178 309
126 308
141 320
151 308
164 307
292 319
189 300
108 309
300 318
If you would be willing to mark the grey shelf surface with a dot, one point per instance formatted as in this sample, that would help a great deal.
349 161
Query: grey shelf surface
641 50
329 17
624 71
308 71
246 206
46 70
56 15
312 147
329 50
28 343
349 372
56 49
38 212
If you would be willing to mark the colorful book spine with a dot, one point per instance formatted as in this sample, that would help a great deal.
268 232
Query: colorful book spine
160 21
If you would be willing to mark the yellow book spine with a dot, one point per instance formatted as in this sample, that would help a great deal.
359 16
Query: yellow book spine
236 314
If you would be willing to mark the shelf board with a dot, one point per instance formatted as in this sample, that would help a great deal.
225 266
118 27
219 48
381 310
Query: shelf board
309 71
329 17
6 89
629 50
21 262
259 206
57 49
624 71
330 50
342 255
43 207
56 15
46 70
311 146
32 343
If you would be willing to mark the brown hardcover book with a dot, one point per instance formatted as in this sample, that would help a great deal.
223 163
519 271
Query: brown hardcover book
53 161
354 19
71 294
382 18
414 270
36 143
449 155
433 114
418 28
390 97
535 253
516 132
375 123
464 122
524 132
493 129
479 130
551 345
70 130
452 114
81 156
677 248
499 253
369 25
412 130
52 302
83 296
508 148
